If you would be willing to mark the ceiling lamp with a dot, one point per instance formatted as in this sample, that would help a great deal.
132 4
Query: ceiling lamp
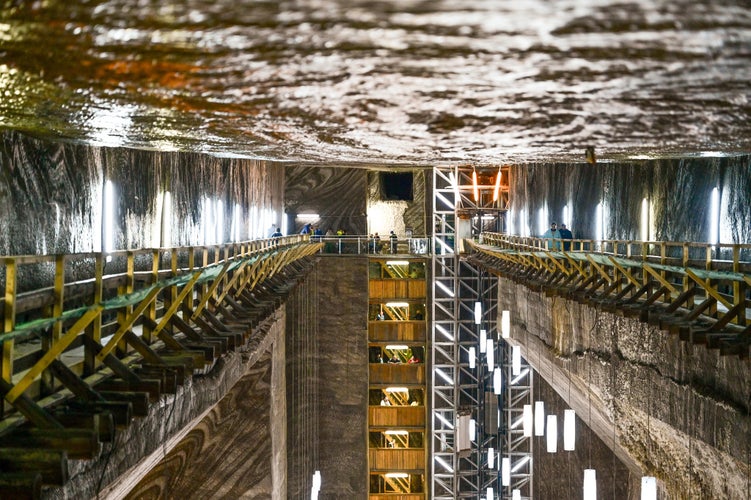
552 434
316 485
648 488
490 354
527 420
497 187
539 418
497 381
475 189
590 484
569 430
516 360
505 471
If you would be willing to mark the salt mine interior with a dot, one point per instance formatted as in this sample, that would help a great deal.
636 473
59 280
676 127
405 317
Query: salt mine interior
375 250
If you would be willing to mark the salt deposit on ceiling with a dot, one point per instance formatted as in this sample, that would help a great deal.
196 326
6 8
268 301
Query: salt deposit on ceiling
412 82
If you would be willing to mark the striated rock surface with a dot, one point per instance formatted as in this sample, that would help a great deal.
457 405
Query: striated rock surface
666 408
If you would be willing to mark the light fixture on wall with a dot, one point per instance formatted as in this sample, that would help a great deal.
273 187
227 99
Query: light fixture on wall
599 223
644 220
516 495
714 222
478 312
497 380
489 495
472 357
108 217
472 429
505 471
483 340
516 360
491 458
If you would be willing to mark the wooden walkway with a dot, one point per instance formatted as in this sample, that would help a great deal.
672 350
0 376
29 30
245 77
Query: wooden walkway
680 287
90 341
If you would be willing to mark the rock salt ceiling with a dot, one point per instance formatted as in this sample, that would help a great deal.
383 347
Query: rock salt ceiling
385 82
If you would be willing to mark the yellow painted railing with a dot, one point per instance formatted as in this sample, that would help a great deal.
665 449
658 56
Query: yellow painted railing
87 307
698 289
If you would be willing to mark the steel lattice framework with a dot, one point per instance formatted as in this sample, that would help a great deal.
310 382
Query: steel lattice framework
460 468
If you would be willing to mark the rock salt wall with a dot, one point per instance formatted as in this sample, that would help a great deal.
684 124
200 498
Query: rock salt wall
666 408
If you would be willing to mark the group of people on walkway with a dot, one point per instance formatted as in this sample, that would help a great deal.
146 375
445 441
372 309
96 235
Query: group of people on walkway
557 236
395 359
374 242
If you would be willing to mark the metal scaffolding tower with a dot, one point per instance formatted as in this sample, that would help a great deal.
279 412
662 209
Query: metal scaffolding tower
473 403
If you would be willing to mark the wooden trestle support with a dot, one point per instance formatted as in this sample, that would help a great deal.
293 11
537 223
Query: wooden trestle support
704 305
139 333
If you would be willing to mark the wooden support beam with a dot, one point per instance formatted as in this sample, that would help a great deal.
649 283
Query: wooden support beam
148 354
138 399
102 423
126 323
50 464
57 349
121 411
78 443
29 409
167 377
150 386
73 382
212 289
21 485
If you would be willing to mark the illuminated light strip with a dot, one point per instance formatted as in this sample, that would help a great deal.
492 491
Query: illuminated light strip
521 375
444 245
516 423
444 332
444 464
445 200
497 188
443 419
520 464
397 262
445 377
475 189
446 289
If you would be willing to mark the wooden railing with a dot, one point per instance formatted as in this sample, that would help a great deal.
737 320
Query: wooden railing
111 332
698 290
